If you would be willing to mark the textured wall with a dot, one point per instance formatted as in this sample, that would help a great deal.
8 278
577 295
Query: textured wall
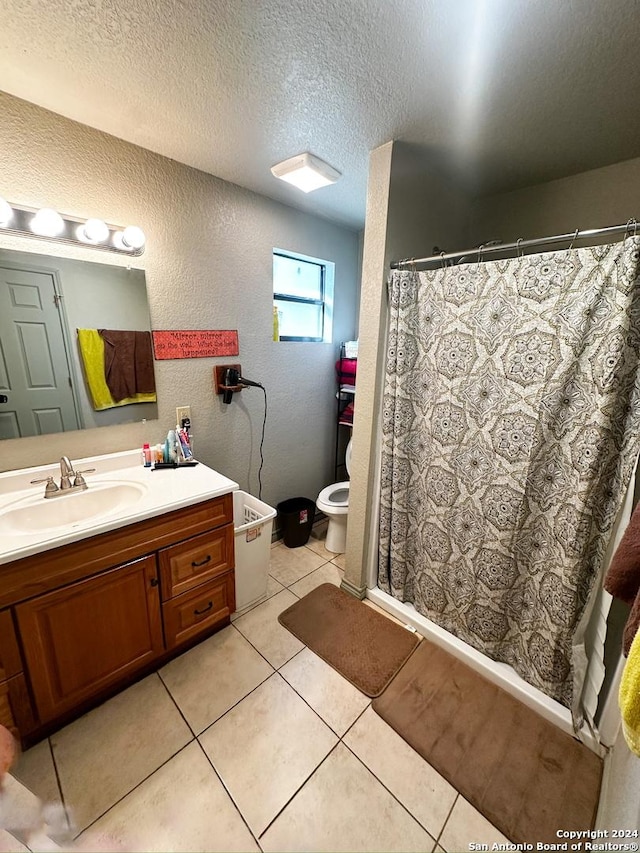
593 199
410 207
208 265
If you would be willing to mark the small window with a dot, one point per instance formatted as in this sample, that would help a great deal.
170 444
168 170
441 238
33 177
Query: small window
303 295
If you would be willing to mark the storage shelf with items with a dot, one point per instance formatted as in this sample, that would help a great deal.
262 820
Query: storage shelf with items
346 367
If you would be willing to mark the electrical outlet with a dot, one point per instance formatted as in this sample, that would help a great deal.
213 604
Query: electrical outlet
182 412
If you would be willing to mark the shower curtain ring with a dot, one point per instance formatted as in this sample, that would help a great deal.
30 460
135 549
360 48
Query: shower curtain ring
444 263
573 239
631 223
480 250
519 252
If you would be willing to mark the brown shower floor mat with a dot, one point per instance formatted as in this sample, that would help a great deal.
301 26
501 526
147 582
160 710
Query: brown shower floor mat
363 646
520 771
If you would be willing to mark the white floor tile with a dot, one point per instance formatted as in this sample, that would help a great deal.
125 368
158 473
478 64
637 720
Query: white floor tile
35 769
261 628
181 807
334 698
20 810
340 561
265 748
211 677
10 844
420 788
343 807
104 754
465 826
329 573
288 565
318 547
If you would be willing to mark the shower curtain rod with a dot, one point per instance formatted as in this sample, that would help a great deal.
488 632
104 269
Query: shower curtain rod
479 251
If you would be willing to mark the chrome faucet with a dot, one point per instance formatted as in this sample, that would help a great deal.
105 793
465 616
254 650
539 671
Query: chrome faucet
66 473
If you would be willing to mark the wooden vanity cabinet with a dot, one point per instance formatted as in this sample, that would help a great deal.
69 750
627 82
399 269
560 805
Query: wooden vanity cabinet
82 638
15 705
81 619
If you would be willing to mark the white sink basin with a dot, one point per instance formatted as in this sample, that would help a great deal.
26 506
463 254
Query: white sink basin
33 515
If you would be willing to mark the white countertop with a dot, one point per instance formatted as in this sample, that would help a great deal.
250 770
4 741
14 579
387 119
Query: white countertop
160 491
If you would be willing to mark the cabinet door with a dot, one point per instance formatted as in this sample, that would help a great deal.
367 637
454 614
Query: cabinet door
10 661
89 635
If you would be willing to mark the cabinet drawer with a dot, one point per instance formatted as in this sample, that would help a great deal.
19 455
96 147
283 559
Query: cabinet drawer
196 561
193 612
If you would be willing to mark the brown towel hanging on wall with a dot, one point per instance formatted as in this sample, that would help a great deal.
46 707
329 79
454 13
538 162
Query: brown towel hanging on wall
623 577
128 363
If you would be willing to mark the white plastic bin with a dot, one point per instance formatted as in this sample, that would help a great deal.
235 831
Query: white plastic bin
252 522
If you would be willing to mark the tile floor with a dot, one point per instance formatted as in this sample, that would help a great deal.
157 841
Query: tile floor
246 742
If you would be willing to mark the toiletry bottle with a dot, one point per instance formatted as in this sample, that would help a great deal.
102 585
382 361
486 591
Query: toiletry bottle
146 455
171 440
276 324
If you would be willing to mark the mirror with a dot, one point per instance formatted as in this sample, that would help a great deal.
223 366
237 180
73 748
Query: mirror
44 300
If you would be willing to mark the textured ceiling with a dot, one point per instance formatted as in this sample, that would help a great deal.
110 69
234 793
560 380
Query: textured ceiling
500 93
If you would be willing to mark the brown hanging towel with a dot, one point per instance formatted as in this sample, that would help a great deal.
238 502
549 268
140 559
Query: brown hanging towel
623 577
128 363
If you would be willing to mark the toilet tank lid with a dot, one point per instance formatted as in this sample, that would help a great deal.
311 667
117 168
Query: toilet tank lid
347 457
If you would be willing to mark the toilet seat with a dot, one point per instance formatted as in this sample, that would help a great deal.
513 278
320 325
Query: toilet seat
327 499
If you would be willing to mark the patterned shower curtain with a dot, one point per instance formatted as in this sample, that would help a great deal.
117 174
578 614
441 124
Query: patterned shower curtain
510 429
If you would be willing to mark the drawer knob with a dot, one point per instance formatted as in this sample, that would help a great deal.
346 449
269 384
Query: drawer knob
154 581
202 562
206 609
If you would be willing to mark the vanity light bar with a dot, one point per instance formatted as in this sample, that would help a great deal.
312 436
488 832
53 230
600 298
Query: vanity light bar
48 224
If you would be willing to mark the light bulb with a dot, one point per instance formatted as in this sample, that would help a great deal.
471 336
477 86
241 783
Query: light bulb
6 213
118 242
93 231
133 237
47 223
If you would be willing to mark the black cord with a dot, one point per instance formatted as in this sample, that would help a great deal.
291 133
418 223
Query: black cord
264 424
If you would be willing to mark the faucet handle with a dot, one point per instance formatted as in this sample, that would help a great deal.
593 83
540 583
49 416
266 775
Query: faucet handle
79 480
50 488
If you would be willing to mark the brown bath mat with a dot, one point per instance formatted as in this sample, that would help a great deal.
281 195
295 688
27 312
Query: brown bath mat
520 771
365 647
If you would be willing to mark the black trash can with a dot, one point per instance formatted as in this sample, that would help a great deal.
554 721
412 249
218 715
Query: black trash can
296 520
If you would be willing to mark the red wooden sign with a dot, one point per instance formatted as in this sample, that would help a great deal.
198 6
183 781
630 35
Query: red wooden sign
194 343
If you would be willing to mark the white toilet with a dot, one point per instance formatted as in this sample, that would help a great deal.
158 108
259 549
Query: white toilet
334 503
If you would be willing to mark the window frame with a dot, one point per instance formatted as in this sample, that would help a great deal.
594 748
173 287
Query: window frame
325 301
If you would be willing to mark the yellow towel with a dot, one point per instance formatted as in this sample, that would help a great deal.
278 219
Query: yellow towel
629 697
92 351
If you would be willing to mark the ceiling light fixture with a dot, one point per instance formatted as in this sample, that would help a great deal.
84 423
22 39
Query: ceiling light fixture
48 224
306 171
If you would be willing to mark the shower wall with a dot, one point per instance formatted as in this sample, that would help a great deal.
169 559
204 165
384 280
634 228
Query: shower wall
606 196
411 207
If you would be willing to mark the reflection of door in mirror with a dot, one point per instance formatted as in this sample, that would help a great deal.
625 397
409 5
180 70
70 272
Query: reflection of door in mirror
44 301
35 375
